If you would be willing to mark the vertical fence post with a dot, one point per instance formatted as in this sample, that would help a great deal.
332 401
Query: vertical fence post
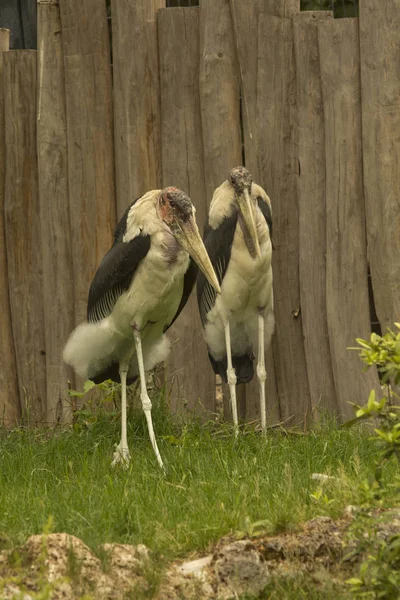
380 84
346 254
311 190
278 157
58 288
136 98
10 408
23 237
190 379
90 139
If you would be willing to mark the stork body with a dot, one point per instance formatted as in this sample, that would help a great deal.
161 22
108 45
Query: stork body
139 289
238 323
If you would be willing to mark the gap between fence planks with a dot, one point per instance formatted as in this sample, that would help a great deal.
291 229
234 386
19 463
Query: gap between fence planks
23 237
346 259
189 376
136 98
58 288
277 150
311 188
10 408
91 186
380 83
220 109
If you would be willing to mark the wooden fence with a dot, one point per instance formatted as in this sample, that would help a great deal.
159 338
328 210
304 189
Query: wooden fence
307 102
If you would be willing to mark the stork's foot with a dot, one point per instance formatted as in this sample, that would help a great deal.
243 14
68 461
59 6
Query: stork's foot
121 456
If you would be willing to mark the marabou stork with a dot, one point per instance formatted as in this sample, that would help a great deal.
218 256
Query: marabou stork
138 291
238 323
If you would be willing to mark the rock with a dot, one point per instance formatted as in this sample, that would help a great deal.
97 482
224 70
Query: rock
239 568
195 567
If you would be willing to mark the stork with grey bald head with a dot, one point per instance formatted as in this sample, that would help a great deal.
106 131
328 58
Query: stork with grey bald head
238 323
138 291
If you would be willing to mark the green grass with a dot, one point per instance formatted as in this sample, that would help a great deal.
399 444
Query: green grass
214 484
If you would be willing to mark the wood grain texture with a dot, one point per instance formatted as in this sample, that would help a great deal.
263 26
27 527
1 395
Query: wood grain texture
219 93
136 98
190 379
380 84
58 289
282 8
90 139
23 237
220 109
311 188
277 151
10 408
346 258
245 22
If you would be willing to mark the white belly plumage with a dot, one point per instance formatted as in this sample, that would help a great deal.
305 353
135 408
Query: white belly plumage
246 289
149 304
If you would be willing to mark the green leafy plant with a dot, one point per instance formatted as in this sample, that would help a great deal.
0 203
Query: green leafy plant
384 352
90 405
379 573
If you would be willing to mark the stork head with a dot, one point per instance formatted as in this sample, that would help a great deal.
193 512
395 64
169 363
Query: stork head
241 181
175 208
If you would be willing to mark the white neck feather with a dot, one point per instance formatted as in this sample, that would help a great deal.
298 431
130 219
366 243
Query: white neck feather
143 218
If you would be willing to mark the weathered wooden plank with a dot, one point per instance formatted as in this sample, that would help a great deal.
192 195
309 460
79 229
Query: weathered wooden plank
277 151
136 98
58 289
219 93
282 8
190 378
23 237
311 188
380 84
220 106
245 21
346 255
90 139
10 408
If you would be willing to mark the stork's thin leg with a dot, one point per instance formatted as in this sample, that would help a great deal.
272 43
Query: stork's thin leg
261 372
121 454
231 376
146 403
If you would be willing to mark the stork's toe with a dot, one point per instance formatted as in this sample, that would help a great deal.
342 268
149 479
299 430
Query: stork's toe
121 456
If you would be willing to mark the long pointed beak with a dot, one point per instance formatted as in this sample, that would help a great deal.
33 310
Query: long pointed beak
247 213
190 239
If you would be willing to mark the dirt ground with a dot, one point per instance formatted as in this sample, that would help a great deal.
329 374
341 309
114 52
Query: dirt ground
65 567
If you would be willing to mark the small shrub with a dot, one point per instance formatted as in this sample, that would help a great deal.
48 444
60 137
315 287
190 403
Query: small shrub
379 573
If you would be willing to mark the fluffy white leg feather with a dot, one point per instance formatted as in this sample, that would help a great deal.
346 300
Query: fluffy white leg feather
92 347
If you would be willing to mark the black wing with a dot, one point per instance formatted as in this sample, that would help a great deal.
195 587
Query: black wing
266 211
115 272
218 243
188 284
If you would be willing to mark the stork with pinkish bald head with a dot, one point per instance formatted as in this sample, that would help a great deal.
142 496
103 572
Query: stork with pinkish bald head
138 291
